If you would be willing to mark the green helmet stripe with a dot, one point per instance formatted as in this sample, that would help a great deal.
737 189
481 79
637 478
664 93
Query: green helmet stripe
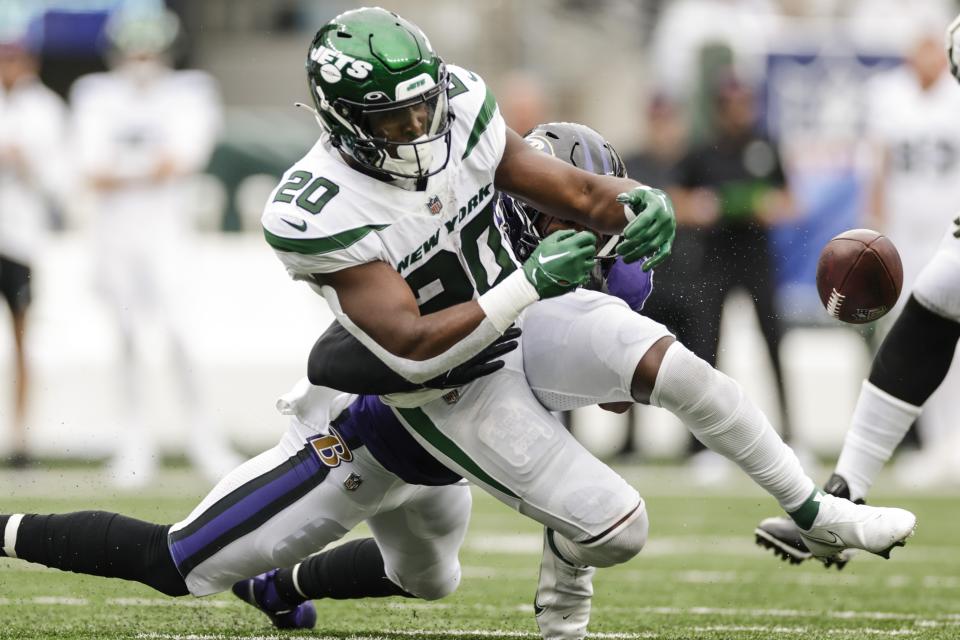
313 246
487 110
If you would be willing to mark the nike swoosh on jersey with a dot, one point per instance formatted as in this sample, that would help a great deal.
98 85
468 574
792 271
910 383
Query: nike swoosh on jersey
545 259
301 226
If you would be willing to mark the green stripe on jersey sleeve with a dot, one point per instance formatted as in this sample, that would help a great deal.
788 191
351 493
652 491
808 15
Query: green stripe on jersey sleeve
421 423
312 246
487 109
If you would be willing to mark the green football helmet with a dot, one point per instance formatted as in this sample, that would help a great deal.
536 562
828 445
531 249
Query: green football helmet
380 92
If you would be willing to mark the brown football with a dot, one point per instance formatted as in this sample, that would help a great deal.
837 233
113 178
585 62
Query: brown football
859 276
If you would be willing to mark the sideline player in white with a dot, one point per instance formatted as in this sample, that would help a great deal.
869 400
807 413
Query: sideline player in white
913 121
910 365
346 459
33 171
141 131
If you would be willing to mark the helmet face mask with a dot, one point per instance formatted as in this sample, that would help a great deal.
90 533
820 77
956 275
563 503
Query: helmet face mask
398 137
381 93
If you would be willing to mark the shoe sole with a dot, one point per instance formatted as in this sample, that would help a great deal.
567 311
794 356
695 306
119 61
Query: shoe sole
885 554
793 555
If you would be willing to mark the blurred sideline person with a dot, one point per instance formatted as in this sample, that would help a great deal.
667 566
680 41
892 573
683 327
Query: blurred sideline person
913 122
33 170
913 361
523 101
665 142
142 129
729 190
347 459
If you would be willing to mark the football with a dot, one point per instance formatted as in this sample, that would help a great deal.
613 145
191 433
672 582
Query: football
859 276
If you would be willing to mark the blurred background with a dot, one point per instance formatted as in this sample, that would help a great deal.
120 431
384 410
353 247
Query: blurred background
139 141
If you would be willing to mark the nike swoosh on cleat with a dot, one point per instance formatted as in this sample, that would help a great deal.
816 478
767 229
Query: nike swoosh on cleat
545 259
302 226
836 541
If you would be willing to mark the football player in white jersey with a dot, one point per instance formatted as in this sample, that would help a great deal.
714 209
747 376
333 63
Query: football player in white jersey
33 170
391 217
912 362
573 356
142 130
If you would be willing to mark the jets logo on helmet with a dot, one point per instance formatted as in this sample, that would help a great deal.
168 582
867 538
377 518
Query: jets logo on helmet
333 63
380 92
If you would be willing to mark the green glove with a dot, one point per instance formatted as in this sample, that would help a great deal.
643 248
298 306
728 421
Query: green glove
651 232
561 262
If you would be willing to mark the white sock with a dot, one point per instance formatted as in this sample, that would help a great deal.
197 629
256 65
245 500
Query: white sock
715 410
879 423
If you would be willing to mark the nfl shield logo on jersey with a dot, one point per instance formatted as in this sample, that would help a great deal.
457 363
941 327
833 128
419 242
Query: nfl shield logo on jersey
434 205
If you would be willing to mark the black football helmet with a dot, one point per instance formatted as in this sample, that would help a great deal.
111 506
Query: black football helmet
578 145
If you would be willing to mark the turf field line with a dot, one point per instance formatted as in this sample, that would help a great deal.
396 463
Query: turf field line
407 633
45 601
803 630
170 602
484 633
920 619
721 577
665 546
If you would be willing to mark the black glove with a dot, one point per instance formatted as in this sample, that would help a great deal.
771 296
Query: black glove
482 364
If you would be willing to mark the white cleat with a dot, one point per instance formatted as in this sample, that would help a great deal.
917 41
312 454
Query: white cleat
564 592
841 524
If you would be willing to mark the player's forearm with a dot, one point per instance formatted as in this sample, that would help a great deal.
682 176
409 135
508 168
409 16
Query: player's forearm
586 199
605 213
421 347
421 338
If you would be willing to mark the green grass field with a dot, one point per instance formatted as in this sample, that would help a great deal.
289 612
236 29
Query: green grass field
700 576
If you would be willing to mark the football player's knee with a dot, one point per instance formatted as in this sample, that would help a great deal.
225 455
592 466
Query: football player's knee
626 544
692 389
936 286
433 584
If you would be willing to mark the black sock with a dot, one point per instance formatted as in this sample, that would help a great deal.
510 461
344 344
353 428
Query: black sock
99 543
3 527
916 355
352 570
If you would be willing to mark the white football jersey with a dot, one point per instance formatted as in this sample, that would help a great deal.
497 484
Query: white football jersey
32 121
124 126
325 216
920 129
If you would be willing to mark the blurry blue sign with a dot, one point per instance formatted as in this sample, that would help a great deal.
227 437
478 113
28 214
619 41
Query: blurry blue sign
814 105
